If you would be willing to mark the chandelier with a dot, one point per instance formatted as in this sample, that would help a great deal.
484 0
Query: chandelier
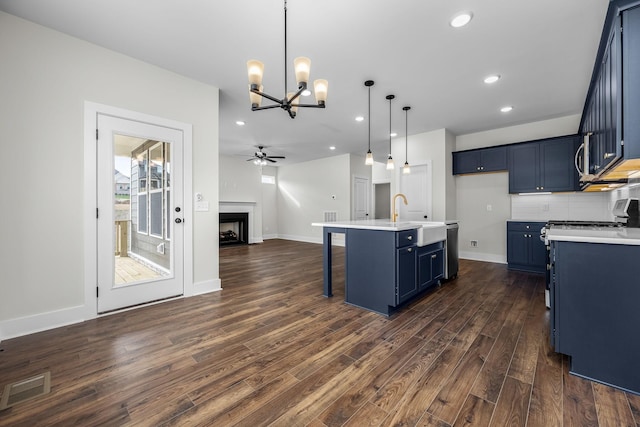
290 103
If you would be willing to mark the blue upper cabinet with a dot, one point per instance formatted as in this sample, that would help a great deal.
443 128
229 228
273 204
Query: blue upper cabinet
610 116
543 165
491 159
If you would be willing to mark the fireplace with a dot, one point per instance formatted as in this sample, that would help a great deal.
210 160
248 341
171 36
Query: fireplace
234 228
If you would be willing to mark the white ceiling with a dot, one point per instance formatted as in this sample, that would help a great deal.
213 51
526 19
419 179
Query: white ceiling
543 49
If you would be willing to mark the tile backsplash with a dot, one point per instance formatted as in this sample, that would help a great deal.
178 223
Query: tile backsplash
563 206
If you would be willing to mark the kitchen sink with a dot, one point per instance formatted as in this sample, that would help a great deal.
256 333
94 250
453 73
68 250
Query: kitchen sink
430 232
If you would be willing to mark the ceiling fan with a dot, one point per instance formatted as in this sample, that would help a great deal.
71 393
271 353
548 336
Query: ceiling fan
261 158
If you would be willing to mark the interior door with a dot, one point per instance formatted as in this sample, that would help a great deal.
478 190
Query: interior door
140 234
417 187
361 198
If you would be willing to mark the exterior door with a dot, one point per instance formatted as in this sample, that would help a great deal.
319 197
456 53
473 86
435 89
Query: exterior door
417 187
140 216
360 198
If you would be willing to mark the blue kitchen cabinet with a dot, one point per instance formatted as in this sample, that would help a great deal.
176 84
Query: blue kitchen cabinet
525 250
406 283
594 316
609 120
491 159
430 263
380 268
545 165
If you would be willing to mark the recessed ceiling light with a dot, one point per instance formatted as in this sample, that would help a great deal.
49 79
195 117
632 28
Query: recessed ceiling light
359 119
240 123
393 134
306 92
332 148
506 109
492 78
461 19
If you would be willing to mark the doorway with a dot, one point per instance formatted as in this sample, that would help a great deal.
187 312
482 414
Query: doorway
418 188
360 198
140 217
382 194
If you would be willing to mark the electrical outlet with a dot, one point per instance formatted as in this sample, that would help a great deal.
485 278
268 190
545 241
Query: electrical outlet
489 208
474 243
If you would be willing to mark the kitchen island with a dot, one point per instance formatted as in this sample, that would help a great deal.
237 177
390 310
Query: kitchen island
594 296
387 263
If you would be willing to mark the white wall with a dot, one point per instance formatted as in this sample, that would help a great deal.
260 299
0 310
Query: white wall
241 181
435 147
476 192
270 204
45 78
305 191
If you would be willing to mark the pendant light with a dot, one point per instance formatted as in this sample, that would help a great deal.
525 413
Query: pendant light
291 102
406 169
390 165
369 158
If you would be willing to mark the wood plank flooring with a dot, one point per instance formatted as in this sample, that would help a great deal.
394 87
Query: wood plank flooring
270 350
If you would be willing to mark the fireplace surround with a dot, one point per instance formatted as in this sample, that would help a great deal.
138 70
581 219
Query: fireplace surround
234 228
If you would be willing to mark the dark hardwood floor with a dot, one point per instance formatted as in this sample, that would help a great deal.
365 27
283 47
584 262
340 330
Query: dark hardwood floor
270 350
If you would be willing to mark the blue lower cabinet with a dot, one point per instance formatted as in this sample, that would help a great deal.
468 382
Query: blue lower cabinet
407 284
594 314
525 250
430 265
383 270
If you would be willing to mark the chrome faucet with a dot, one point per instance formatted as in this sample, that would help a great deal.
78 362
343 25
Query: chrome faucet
393 205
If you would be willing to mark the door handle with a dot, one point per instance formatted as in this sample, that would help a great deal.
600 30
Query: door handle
178 220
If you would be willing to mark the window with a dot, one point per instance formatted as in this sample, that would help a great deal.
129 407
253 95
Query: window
268 179
154 190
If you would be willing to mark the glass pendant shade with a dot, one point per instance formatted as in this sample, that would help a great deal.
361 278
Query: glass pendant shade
255 69
294 108
321 87
254 97
390 165
406 169
302 68
369 159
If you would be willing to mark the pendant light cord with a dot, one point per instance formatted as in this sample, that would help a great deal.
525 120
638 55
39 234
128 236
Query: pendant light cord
369 115
406 135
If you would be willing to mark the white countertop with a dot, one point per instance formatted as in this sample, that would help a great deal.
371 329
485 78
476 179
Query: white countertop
615 236
379 224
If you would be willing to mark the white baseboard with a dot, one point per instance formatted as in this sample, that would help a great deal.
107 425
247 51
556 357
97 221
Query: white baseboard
41 322
476 256
269 236
337 240
206 286
253 240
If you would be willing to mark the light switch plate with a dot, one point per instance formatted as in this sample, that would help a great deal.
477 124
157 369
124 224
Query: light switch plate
202 206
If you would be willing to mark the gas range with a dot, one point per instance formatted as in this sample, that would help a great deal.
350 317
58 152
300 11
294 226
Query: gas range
582 225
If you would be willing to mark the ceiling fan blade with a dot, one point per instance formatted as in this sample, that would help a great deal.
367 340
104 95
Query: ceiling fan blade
269 160
277 157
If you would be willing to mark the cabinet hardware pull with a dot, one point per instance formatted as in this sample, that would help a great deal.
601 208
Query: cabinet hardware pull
409 237
410 250
434 256
608 155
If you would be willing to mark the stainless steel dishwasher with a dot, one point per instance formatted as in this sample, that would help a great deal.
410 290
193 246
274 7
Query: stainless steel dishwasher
451 251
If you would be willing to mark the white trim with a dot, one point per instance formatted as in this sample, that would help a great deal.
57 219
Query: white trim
336 240
476 256
207 286
91 111
41 322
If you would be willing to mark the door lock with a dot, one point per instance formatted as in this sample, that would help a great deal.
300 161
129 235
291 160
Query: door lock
178 220
178 209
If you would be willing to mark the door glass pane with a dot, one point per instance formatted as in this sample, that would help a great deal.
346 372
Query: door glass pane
141 208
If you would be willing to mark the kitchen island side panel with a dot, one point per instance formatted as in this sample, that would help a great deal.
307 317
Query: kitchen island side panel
370 269
598 295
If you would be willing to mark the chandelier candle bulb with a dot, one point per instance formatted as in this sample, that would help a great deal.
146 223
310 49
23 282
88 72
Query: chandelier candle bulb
302 67
321 87
256 70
